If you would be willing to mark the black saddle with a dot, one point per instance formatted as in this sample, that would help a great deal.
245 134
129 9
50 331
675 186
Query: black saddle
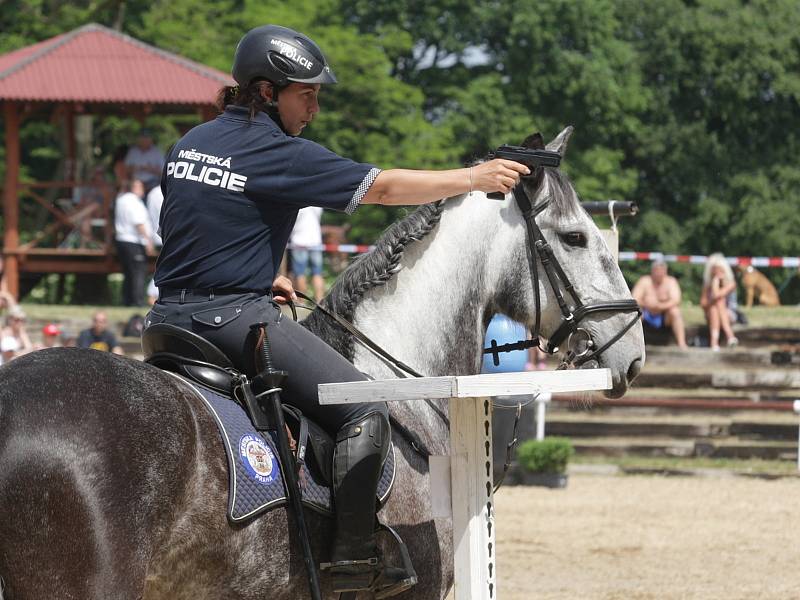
180 351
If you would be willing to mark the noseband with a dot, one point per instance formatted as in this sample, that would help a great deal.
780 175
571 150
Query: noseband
569 329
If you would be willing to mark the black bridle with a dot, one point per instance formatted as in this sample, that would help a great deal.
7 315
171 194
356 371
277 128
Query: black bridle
569 329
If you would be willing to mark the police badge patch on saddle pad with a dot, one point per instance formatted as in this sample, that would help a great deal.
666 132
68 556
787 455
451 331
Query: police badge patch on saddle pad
255 479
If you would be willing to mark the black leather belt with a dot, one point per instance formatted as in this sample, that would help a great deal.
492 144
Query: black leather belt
186 294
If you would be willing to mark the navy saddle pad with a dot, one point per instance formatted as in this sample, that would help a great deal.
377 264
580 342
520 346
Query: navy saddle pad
255 479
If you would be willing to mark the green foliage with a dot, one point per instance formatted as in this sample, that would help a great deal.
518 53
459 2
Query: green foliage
690 108
599 173
480 117
182 27
766 210
549 455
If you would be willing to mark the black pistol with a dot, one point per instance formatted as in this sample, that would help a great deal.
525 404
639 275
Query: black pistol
527 156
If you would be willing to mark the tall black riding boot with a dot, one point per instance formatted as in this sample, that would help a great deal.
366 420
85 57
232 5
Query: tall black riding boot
361 448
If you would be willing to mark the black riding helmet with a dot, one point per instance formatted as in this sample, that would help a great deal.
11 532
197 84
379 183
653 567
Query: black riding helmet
280 55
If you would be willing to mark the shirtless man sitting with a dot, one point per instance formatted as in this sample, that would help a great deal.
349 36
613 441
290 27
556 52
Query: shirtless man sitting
659 295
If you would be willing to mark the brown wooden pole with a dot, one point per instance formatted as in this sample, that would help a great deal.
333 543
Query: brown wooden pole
11 199
70 168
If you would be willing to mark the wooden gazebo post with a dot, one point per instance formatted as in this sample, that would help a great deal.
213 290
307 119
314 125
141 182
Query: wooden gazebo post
10 205
180 86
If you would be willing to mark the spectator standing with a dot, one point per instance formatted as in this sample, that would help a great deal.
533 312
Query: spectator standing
132 226
306 236
155 198
98 336
718 300
144 161
659 296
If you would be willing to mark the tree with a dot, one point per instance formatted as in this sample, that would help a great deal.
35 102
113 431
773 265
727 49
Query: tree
688 107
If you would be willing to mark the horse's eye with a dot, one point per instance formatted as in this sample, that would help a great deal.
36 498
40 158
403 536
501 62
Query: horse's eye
574 238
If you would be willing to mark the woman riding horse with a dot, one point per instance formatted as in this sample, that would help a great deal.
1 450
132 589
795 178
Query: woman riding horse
232 189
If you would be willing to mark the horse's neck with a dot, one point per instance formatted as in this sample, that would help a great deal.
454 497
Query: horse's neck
432 313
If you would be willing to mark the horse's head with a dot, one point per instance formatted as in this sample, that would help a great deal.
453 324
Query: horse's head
597 320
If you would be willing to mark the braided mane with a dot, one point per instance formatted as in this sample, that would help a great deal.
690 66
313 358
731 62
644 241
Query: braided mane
371 270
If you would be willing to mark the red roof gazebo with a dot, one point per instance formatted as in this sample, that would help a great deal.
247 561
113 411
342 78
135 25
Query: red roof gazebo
91 70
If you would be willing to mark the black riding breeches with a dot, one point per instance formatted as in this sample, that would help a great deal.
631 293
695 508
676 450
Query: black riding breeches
133 259
225 321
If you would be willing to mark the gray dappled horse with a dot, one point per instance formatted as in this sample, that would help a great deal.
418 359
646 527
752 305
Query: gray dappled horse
113 478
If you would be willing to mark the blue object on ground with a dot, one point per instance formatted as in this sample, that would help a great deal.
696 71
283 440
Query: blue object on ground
505 331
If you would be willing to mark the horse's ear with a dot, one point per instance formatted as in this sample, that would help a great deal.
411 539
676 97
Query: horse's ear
535 141
562 139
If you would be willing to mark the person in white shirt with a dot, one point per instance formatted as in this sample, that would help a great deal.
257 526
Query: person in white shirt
144 161
305 240
134 242
155 198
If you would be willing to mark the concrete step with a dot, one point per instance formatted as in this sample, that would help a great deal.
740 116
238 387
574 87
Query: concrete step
701 428
732 379
696 357
664 400
711 394
665 447
608 428
749 336
760 336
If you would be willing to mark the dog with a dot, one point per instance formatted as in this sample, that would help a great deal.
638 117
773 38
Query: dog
756 284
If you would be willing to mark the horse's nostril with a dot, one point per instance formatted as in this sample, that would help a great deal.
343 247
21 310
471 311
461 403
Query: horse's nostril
634 369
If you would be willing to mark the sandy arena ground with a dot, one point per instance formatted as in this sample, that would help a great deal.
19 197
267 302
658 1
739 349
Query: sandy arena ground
638 537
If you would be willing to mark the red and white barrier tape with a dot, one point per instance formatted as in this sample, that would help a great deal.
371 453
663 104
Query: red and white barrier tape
695 259
757 261
346 248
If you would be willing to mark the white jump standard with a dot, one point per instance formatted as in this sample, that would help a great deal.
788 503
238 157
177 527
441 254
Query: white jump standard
470 450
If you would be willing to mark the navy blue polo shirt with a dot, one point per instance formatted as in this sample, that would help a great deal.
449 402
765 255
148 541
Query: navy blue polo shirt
232 189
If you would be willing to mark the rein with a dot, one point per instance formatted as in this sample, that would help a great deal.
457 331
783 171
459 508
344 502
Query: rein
410 436
357 334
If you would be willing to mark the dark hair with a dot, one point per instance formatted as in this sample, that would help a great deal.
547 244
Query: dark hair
249 96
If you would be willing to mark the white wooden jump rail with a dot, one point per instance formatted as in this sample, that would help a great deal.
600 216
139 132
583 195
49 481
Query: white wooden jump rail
469 494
